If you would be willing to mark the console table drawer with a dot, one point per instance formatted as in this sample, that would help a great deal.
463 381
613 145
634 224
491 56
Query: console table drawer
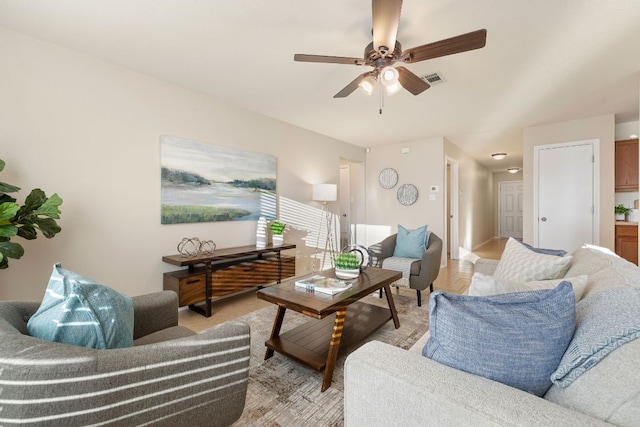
250 275
190 287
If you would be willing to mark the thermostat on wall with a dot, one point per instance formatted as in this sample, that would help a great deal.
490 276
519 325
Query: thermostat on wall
435 188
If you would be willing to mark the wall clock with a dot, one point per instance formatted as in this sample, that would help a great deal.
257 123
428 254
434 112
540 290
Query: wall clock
388 178
407 194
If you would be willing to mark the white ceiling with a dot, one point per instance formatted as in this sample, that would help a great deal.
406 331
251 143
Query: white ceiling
545 61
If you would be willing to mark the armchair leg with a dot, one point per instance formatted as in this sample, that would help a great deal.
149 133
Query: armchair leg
419 297
431 288
380 293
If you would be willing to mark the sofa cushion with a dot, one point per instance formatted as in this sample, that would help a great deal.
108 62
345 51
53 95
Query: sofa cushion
483 285
604 322
522 264
78 311
517 339
411 243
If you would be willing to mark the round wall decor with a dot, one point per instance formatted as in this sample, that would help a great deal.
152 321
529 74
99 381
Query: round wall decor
388 178
407 194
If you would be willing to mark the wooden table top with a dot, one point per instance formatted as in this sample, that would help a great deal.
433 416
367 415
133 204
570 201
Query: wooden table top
223 254
320 305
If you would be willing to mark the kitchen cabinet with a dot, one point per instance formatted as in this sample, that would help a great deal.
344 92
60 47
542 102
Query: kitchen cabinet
626 165
627 241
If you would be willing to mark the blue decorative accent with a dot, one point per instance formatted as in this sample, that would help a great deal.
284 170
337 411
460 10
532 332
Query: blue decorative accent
411 244
604 322
78 311
517 339
556 252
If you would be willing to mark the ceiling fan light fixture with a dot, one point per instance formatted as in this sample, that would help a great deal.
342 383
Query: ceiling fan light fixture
368 84
498 156
393 88
389 76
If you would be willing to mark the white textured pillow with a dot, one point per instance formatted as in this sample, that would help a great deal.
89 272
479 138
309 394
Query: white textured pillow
524 265
483 285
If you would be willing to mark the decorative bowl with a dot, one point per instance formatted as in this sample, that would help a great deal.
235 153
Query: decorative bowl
347 274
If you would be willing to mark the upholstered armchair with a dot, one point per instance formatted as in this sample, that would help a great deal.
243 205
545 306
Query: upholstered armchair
423 271
171 376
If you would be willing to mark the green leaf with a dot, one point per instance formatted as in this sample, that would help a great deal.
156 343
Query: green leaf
48 226
2 163
28 232
34 200
11 250
8 230
8 188
8 210
50 207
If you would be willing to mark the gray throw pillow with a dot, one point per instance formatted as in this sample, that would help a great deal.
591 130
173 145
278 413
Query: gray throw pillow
517 339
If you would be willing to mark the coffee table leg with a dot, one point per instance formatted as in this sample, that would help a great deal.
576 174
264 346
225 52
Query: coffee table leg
334 346
275 332
392 306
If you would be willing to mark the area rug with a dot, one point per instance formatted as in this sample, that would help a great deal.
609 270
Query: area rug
283 392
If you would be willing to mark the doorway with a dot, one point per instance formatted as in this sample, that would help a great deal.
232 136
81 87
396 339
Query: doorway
510 209
450 240
566 194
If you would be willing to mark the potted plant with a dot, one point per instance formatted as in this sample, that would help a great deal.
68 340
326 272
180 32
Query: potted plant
277 229
38 212
621 212
347 266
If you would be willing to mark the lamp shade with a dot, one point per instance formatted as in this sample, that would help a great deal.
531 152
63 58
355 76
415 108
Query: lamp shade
325 192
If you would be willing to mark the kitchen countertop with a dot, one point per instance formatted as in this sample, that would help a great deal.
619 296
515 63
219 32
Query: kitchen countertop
626 223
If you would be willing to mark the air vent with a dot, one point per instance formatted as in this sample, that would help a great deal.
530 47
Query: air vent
433 78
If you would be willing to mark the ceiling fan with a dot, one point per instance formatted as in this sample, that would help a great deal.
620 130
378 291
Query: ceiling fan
385 51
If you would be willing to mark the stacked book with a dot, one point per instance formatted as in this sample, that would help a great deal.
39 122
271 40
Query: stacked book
322 284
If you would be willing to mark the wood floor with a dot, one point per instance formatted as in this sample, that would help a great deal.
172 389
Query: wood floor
454 278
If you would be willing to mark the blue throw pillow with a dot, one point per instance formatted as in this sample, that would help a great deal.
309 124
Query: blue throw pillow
556 252
78 311
517 339
410 244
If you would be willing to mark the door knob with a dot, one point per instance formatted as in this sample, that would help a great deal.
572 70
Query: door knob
544 218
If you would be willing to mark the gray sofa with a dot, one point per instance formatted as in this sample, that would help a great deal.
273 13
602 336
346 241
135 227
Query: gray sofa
171 376
386 385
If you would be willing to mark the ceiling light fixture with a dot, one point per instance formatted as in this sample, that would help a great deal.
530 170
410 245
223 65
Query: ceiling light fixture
513 170
368 84
389 78
499 156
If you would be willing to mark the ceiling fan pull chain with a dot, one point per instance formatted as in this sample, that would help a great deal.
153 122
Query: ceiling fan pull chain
381 98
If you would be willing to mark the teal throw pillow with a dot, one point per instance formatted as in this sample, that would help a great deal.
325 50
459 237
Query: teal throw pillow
411 243
517 339
78 311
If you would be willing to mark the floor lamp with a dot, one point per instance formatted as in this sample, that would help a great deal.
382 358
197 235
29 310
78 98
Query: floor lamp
325 193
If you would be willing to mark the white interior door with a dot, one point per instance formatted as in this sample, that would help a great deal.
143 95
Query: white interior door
511 197
566 195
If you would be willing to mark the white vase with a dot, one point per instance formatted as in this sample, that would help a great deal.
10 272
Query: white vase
261 233
277 239
347 274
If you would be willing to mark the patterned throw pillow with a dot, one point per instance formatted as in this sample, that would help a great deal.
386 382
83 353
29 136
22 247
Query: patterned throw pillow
483 285
411 243
78 311
524 265
517 339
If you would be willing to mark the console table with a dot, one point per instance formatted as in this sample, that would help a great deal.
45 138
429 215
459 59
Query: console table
226 272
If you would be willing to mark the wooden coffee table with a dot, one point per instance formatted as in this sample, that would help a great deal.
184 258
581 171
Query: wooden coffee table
341 319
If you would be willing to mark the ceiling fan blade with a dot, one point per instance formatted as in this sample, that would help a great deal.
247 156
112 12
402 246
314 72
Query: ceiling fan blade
411 82
328 59
348 89
462 43
386 16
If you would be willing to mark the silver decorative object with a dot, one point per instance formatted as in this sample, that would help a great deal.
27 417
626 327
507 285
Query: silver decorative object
388 178
189 247
207 247
407 194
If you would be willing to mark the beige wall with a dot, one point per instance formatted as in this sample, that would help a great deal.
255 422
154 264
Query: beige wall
90 131
601 128
475 200
422 167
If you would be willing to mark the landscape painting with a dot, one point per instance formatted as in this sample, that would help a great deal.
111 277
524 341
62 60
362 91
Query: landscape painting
204 183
